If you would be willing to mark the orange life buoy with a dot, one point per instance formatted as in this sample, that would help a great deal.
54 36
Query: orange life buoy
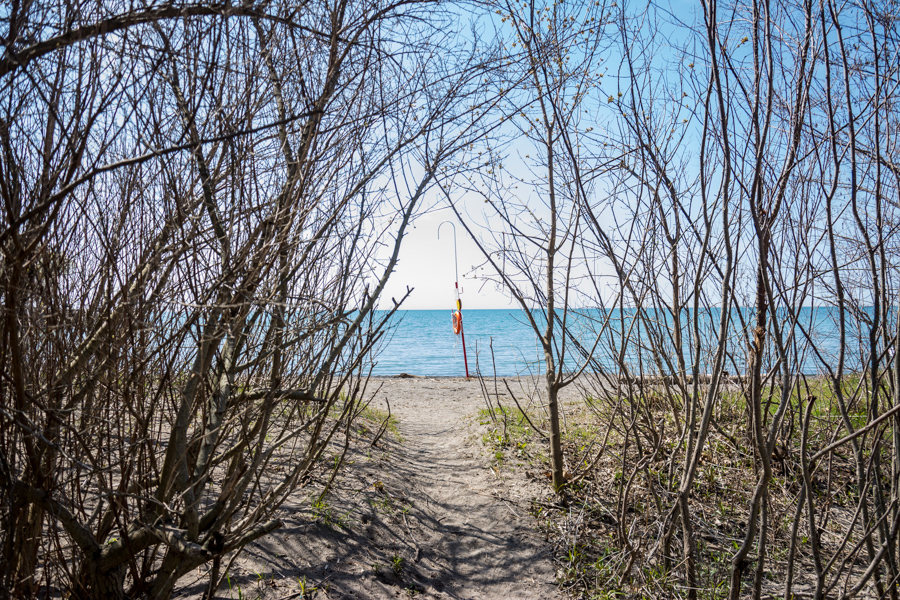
457 322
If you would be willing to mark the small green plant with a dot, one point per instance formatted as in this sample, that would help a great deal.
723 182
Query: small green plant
383 503
510 427
710 475
377 417
323 513
306 590
397 564
240 593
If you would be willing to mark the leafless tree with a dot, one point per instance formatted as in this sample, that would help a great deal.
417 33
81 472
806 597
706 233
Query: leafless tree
552 55
738 193
195 199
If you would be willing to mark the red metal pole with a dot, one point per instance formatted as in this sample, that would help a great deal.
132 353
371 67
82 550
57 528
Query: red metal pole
458 301
462 333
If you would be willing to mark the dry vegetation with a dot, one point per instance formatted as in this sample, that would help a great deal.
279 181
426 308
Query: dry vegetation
612 528
196 203
201 204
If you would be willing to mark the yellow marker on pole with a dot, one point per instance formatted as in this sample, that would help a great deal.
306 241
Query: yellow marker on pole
457 318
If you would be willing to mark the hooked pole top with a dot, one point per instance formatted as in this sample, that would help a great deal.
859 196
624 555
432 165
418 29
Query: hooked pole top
455 255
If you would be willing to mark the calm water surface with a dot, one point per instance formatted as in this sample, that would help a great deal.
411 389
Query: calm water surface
422 342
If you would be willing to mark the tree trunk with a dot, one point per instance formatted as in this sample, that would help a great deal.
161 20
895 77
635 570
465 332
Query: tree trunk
556 453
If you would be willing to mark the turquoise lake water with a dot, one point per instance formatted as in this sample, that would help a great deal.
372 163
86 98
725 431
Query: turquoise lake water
422 343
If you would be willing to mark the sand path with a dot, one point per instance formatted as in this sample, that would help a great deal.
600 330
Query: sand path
426 518
477 532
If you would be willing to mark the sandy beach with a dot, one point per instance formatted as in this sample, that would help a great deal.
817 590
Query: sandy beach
424 516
